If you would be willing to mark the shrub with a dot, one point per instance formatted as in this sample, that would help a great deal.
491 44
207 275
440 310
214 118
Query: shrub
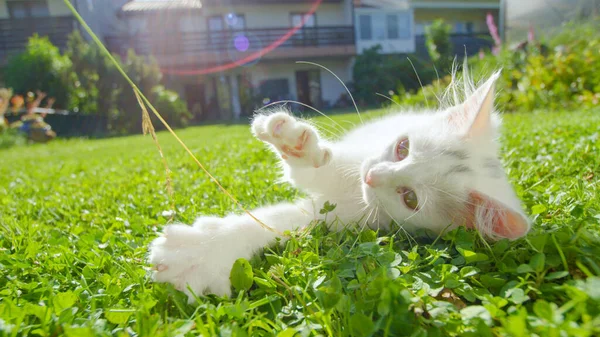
40 67
557 76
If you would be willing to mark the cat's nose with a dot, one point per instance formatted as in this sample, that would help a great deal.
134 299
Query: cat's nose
369 179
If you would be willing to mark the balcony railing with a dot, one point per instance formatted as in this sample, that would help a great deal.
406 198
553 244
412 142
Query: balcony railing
14 33
242 41
471 42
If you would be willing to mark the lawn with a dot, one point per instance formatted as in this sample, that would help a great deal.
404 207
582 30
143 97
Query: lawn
76 217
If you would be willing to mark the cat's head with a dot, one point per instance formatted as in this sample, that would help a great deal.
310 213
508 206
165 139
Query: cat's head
443 170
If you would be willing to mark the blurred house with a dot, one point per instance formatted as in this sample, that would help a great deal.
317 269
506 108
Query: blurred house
20 19
226 57
208 49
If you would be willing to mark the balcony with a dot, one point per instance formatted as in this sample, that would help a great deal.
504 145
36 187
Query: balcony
14 33
173 49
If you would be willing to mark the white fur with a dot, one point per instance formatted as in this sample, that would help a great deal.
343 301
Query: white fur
453 164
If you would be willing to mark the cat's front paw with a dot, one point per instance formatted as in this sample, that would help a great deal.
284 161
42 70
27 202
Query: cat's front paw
296 141
196 259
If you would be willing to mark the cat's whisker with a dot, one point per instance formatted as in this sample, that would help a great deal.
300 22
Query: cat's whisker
463 200
401 227
388 98
420 83
331 133
306 106
349 122
341 82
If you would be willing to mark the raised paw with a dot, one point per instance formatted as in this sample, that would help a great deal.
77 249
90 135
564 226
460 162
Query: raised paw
296 141
196 259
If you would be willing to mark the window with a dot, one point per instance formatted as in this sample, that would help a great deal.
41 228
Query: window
364 24
215 24
404 23
27 9
379 28
310 20
307 35
463 27
392 26
469 27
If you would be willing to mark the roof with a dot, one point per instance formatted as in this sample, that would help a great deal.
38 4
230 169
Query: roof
140 6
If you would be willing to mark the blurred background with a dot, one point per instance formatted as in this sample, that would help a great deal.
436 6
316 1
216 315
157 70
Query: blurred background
206 61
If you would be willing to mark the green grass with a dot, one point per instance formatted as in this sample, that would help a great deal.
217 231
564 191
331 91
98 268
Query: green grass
76 217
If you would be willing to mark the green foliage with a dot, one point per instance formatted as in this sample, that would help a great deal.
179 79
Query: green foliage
439 46
40 67
85 81
375 72
558 75
241 275
77 216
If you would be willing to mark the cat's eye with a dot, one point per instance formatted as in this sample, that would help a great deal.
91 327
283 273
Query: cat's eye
402 149
409 197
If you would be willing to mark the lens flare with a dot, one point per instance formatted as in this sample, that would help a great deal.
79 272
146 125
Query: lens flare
231 19
241 42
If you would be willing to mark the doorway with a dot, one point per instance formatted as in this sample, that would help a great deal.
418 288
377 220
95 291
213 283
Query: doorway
308 87
196 102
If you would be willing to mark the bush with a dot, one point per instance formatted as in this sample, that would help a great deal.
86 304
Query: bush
10 138
554 76
40 67
378 73
171 108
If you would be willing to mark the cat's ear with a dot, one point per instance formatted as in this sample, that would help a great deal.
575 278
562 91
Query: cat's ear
473 117
494 219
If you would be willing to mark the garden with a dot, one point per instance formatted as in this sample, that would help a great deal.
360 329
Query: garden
78 214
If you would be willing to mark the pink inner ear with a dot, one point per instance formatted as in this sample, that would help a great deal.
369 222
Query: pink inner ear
493 218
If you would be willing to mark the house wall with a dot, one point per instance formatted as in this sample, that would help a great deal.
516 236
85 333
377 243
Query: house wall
256 16
278 15
55 7
455 3
3 10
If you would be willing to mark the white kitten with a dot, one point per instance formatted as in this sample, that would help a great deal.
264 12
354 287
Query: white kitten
426 170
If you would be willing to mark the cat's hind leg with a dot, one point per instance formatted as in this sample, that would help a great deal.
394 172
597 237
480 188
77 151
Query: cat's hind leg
296 141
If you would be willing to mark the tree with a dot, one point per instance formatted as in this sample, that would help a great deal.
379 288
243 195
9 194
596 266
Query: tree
378 73
439 46
95 90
